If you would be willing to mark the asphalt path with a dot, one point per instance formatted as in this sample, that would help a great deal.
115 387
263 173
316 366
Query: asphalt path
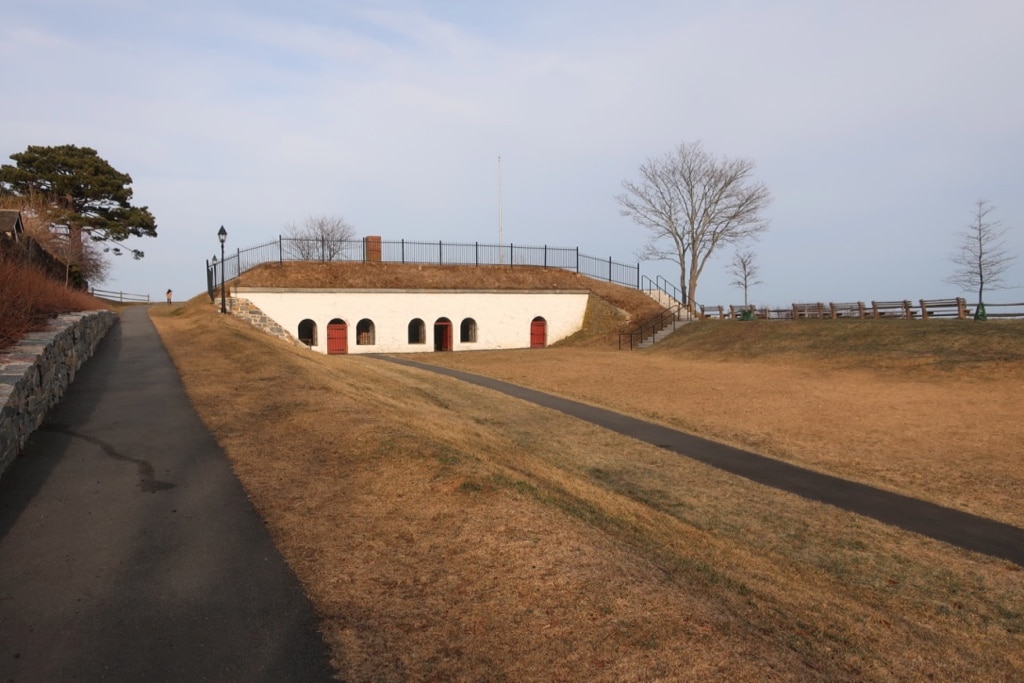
128 548
955 527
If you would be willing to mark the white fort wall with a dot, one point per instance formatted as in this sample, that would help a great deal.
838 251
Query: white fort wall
503 317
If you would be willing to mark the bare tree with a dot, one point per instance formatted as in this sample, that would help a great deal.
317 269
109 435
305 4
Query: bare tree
745 270
82 258
320 238
692 204
982 256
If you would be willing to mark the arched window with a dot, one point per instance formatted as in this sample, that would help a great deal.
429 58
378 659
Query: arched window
467 330
417 331
337 336
365 332
307 332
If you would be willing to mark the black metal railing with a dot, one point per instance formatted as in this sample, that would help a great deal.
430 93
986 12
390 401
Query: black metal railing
428 253
675 313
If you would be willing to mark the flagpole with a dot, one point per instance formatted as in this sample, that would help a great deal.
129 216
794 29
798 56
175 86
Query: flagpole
501 252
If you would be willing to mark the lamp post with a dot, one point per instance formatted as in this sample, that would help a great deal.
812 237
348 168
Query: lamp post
212 284
222 235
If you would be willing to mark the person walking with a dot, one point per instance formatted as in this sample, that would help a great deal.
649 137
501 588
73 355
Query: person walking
169 295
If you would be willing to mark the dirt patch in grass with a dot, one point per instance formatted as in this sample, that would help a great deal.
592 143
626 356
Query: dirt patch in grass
445 532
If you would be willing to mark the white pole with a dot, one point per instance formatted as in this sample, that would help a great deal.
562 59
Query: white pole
501 252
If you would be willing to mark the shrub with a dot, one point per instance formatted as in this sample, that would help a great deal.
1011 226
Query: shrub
28 298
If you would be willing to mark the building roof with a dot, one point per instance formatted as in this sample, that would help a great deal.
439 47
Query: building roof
10 222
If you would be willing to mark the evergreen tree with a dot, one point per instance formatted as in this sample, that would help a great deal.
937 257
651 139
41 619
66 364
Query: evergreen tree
88 195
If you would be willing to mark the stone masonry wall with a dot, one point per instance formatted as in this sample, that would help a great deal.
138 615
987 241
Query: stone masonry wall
246 310
35 373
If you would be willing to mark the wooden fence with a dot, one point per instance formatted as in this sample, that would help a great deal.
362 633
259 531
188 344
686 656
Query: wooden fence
924 309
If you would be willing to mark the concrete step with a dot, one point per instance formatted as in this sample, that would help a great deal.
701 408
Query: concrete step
661 334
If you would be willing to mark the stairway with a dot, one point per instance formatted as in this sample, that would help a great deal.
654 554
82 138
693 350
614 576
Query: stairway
682 316
682 319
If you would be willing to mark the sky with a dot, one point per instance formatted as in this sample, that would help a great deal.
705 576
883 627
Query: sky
876 125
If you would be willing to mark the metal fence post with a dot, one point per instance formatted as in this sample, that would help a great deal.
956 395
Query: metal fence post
577 259
440 253
403 251
476 253
545 256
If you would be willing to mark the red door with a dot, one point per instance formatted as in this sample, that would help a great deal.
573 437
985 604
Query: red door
443 335
538 333
337 337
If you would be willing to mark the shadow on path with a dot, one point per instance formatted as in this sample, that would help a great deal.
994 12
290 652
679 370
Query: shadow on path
129 550
961 529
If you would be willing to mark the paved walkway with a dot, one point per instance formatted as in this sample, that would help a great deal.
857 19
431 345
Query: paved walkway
128 549
948 525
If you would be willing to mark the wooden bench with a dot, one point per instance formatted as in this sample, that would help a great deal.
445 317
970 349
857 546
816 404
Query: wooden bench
892 309
944 308
853 309
709 312
816 310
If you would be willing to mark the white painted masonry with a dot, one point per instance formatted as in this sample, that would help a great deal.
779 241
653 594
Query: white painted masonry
503 317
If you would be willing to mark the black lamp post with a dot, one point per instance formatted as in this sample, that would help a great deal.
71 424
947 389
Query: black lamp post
213 282
222 235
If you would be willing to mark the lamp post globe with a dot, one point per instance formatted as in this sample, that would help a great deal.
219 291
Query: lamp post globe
222 235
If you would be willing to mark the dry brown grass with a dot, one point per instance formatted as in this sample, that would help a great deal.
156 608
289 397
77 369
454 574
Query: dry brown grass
28 299
445 532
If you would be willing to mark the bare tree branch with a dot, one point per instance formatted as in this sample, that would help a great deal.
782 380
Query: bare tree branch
982 254
83 258
692 204
320 238
745 270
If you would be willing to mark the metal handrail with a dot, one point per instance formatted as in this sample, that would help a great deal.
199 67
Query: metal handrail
657 323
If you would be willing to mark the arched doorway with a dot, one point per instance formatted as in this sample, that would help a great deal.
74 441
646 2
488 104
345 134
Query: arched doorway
337 337
443 334
538 333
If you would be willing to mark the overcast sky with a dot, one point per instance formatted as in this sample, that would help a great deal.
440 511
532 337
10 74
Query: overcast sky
875 124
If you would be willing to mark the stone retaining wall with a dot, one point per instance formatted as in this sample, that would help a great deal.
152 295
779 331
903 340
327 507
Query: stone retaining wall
35 373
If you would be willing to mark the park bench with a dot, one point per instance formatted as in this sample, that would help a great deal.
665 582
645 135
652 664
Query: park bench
944 308
854 309
816 310
892 309
709 312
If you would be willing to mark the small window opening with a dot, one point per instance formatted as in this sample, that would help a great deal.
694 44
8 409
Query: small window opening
467 331
365 333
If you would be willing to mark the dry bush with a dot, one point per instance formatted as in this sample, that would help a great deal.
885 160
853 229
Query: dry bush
44 224
28 298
